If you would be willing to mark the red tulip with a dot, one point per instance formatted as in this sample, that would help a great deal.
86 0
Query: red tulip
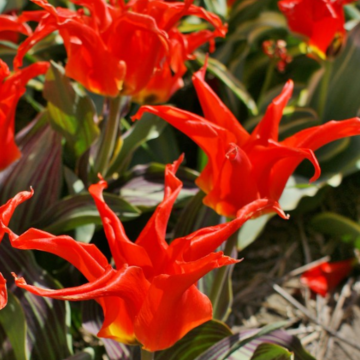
12 87
151 297
121 45
322 21
243 167
325 277
11 26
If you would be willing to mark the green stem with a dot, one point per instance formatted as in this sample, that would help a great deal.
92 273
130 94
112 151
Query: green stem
108 137
222 274
324 88
147 355
267 81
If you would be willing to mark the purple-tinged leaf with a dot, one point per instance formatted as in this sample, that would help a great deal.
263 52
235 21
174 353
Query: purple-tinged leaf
241 346
143 186
47 325
79 210
39 167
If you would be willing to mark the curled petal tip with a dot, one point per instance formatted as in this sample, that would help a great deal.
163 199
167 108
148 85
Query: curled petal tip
100 177
277 208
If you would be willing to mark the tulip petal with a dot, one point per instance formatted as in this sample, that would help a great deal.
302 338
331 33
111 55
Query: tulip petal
7 210
12 23
152 237
210 137
87 258
115 291
214 109
268 127
174 306
122 249
3 292
312 138
204 241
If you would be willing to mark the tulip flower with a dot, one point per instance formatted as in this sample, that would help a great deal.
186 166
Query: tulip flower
12 87
150 297
243 167
325 277
116 48
11 26
321 21
6 212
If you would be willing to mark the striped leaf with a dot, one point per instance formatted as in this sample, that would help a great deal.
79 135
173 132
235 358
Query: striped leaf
78 210
242 346
47 335
196 342
39 167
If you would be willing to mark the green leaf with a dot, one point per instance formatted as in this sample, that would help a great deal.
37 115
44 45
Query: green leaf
148 128
70 114
219 70
13 322
271 352
79 210
196 342
337 101
337 226
7 5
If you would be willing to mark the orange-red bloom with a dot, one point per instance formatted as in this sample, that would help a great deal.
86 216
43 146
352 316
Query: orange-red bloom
151 297
326 276
322 21
6 212
12 87
121 45
243 167
11 26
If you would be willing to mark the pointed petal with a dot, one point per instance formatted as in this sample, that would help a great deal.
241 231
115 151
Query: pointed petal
215 110
12 23
152 237
122 249
111 283
210 137
8 209
207 240
317 136
263 171
312 138
87 258
268 127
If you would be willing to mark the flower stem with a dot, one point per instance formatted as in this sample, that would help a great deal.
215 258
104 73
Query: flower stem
147 355
219 285
267 81
108 136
